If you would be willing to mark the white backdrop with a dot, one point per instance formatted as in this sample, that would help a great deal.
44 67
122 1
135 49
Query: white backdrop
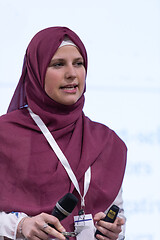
122 38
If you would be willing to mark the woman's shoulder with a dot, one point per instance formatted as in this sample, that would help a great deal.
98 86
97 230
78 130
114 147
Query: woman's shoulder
14 117
99 127
103 131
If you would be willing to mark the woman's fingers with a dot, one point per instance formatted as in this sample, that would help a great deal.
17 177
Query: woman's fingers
109 230
56 230
53 232
35 228
99 216
120 221
53 221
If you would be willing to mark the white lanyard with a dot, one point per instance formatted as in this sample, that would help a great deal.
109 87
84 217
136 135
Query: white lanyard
62 157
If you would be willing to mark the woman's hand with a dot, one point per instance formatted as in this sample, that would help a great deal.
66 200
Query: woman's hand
110 230
35 228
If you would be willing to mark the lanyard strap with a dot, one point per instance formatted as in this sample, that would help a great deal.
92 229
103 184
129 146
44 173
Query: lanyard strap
62 157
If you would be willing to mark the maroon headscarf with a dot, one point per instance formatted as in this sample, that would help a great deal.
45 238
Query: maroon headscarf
32 179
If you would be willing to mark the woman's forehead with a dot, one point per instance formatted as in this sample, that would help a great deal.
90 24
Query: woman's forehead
67 51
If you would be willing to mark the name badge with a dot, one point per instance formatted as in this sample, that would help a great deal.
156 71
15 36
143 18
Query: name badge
84 227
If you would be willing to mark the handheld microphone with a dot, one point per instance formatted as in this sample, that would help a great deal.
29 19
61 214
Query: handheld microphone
110 217
64 207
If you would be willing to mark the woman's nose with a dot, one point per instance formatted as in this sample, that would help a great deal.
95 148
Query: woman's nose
70 72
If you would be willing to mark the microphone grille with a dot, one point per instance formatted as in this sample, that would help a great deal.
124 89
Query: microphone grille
68 202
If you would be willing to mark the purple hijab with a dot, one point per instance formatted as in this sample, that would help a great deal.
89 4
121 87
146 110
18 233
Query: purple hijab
32 179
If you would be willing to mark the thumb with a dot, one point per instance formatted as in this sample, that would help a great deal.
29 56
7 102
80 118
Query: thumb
120 221
99 216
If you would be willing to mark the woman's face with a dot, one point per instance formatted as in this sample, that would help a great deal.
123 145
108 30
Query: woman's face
65 76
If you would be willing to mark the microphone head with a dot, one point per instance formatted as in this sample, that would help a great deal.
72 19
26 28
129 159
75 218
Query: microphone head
68 202
64 207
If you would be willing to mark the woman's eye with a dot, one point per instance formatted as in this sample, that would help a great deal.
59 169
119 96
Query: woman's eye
79 63
57 65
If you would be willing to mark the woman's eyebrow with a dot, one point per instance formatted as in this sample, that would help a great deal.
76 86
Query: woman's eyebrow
56 60
79 58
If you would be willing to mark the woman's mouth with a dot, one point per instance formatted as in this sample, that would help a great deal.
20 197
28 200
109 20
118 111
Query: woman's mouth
69 88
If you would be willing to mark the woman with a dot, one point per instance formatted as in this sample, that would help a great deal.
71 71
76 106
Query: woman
33 179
